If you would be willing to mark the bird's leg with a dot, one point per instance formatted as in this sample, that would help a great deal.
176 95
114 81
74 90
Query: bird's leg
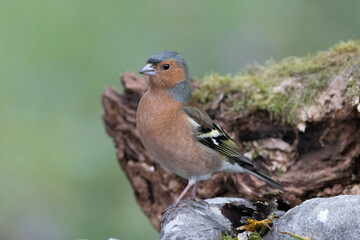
172 206
193 193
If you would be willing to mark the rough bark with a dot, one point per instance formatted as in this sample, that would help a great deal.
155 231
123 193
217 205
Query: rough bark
321 159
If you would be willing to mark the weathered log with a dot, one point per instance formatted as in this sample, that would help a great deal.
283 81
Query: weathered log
303 127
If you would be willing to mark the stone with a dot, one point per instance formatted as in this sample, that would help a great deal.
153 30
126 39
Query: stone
199 220
334 218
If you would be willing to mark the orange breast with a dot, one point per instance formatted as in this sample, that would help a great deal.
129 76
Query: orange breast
166 133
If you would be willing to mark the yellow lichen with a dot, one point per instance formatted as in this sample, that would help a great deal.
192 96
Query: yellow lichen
255 225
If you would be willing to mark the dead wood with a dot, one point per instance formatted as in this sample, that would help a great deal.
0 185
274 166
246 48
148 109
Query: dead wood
319 158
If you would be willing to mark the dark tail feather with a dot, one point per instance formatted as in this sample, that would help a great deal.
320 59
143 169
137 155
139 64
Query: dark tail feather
265 178
248 165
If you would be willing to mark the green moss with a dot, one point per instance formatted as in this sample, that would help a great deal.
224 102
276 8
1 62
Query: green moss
254 236
229 238
281 88
353 87
211 86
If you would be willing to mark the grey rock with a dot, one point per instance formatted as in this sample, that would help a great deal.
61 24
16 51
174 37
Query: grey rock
198 220
332 218
319 218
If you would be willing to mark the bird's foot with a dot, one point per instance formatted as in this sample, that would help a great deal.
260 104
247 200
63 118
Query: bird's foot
193 198
167 211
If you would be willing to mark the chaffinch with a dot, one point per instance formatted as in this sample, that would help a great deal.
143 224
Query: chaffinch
178 133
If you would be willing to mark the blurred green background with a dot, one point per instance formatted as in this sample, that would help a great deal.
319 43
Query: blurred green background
59 178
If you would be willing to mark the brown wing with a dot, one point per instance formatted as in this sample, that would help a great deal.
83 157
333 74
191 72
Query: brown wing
213 136
193 110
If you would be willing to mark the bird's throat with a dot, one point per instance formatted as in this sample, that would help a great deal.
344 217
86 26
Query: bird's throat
181 91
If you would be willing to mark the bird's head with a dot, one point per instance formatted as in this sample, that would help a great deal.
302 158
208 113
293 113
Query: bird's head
166 69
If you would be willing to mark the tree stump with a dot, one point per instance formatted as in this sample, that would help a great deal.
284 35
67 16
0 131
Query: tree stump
303 127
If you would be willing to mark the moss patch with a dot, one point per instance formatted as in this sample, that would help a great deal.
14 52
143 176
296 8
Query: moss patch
281 88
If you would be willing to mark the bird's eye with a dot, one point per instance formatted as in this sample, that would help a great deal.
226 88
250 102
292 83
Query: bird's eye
166 66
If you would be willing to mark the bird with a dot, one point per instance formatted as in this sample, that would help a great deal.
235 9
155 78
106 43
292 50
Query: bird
179 134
